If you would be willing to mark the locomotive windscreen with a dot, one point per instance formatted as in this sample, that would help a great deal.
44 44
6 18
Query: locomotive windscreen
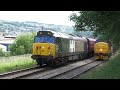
44 39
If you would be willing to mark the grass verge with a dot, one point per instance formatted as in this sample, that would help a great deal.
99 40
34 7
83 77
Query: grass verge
110 70
8 64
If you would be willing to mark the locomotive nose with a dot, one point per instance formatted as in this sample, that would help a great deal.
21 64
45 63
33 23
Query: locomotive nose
44 49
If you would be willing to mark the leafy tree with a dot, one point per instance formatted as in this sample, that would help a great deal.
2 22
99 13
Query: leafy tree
22 45
106 24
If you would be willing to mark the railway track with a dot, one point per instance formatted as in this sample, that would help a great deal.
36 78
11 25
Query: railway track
23 72
77 71
65 72
53 73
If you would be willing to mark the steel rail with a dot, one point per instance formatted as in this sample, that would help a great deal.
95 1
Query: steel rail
53 71
56 74
22 72
77 71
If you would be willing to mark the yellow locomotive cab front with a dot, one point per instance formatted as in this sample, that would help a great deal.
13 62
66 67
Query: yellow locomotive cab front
101 51
44 49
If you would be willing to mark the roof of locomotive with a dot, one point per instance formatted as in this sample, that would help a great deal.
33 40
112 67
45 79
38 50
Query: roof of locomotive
98 43
65 35
58 34
61 34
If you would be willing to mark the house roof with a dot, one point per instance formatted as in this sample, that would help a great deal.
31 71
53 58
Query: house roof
10 41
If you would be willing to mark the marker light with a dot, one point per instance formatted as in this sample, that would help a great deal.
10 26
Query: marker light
49 47
36 47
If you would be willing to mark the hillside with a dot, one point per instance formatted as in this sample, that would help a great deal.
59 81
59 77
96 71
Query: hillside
17 28
14 27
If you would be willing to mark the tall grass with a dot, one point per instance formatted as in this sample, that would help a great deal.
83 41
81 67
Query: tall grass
8 64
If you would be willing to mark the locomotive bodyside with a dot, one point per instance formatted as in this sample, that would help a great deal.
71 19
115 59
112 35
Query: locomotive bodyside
55 48
81 46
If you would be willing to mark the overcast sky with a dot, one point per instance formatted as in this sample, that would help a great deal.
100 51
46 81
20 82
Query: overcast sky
48 17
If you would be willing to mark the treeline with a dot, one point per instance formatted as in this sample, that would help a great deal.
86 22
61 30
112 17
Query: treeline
104 24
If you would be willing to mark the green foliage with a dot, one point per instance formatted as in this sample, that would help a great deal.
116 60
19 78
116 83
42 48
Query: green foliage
88 34
1 52
22 45
4 54
8 64
103 23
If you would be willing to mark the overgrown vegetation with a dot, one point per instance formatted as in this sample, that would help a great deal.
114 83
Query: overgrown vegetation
8 64
22 45
4 54
1 52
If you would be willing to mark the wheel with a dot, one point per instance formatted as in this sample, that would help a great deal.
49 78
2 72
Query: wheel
64 62
54 63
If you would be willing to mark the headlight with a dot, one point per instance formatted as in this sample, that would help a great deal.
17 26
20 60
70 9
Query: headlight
42 46
100 49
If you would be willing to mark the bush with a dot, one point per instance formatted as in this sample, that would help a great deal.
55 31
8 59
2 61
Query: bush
4 54
22 45
1 52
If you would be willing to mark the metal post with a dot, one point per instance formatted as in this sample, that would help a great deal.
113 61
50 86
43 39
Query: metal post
42 28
